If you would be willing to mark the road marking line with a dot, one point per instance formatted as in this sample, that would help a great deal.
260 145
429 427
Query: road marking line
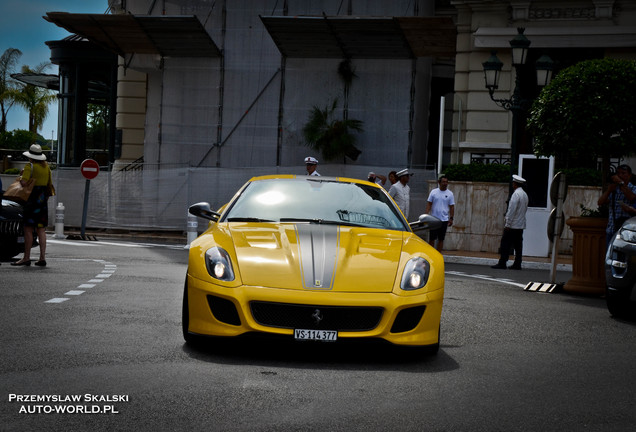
108 271
56 300
486 277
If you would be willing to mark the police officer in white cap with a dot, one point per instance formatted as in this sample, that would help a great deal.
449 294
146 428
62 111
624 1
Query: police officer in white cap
515 223
401 192
311 163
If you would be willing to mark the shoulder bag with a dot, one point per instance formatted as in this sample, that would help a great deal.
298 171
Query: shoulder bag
17 192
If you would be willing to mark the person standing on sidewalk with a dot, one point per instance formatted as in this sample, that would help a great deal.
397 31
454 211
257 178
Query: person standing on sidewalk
36 210
401 192
620 195
515 223
441 204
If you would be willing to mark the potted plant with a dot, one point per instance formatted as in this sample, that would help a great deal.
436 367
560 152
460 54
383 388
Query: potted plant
588 252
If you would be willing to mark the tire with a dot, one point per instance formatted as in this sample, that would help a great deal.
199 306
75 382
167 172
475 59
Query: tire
185 315
10 248
617 307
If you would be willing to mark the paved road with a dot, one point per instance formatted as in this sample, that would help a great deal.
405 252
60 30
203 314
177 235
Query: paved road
509 360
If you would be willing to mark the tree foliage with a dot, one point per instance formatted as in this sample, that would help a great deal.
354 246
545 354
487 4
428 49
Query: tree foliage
586 113
34 99
8 62
19 139
330 136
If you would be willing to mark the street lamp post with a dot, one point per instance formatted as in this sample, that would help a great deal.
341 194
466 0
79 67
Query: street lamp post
516 104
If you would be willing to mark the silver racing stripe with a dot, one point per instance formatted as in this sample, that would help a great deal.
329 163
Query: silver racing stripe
318 246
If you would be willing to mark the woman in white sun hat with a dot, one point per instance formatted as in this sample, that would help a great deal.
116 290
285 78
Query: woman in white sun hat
36 210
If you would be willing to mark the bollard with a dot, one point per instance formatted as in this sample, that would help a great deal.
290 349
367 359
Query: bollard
59 221
192 233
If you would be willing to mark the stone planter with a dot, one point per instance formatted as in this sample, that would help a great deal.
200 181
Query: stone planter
588 255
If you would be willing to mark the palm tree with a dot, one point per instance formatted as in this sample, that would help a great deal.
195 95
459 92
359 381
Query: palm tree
35 100
8 61
330 136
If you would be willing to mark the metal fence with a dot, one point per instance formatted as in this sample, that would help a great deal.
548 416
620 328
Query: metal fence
155 197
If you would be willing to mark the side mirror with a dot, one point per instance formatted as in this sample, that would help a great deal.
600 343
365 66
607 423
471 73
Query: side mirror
204 211
426 222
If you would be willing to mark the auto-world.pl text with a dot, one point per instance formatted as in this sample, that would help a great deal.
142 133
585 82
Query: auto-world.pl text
67 404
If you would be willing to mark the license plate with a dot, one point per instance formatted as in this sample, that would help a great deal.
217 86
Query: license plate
317 335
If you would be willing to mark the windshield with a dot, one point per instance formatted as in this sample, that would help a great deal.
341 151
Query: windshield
315 201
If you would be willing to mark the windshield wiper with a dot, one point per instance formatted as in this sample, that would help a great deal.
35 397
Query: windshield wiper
247 219
306 220
317 221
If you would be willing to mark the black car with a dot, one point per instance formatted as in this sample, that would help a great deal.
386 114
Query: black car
11 230
620 271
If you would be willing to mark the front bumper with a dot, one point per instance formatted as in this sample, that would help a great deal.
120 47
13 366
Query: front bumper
620 270
411 320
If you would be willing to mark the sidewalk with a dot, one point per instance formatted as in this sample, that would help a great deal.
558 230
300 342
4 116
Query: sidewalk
564 262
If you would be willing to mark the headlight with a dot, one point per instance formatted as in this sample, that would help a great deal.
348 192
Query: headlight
219 265
628 235
415 274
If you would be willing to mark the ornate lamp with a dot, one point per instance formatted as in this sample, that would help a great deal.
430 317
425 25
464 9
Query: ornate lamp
544 66
492 72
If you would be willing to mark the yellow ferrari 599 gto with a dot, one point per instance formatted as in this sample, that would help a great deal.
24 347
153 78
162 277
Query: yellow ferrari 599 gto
313 258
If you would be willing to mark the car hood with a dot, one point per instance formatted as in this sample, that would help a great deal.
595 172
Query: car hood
317 257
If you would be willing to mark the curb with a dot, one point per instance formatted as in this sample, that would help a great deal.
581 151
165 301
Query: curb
527 265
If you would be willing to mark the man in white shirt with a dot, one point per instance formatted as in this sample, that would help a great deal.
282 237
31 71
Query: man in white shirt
311 163
401 193
515 223
441 204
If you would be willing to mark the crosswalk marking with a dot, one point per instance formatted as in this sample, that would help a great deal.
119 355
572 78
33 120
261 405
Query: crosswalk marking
541 287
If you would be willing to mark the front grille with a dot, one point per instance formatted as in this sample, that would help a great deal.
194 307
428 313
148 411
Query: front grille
11 227
224 310
407 319
341 318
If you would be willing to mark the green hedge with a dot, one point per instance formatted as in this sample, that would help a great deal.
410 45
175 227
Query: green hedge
494 173
498 173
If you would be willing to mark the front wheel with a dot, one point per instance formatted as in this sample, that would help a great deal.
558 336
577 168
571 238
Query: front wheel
185 315
10 248
617 307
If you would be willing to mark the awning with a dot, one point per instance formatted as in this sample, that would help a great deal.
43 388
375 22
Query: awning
168 36
97 90
47 81
362 37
